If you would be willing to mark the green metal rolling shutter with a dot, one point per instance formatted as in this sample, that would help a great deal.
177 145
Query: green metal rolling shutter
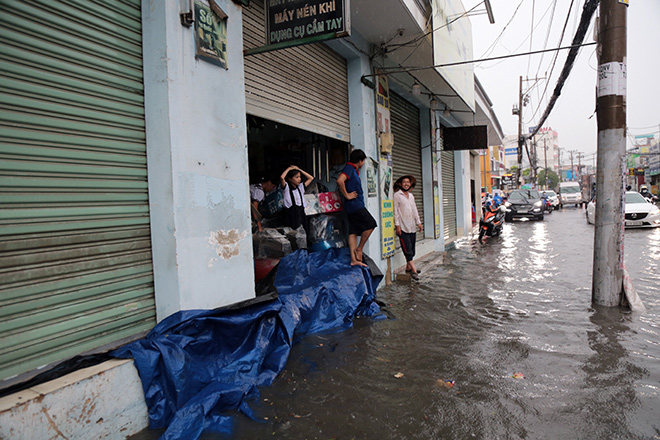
407 153
75 247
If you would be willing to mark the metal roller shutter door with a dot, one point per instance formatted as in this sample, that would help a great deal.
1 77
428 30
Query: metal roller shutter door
304 86
407 153
75 247
448 194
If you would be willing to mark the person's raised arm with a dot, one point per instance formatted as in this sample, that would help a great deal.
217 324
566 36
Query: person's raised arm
283 176
308 177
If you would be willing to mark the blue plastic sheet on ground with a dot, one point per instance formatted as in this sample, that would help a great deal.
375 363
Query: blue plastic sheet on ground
198 367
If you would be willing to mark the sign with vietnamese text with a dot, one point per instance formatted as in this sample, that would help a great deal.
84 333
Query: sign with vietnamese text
295 22
387 227
210 35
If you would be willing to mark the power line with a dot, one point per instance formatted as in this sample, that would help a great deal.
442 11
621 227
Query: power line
531 36
554 61
547 35
528 36
458 63
587 13
492 46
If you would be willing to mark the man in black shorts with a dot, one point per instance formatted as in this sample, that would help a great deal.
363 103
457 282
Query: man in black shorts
360 220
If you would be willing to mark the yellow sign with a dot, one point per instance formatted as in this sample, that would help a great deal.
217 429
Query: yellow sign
387 227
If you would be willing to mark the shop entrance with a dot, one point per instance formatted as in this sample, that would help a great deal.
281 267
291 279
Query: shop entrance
272 148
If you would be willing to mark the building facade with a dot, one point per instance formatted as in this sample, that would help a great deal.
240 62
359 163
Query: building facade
134 129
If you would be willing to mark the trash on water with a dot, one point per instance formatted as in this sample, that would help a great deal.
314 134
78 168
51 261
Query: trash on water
518 376
445 383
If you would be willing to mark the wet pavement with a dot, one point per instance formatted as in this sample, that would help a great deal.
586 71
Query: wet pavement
511 323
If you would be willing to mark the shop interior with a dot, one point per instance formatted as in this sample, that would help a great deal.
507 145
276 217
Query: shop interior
273 147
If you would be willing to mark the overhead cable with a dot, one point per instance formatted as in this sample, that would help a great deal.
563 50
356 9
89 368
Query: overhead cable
587 14
394 70
554 61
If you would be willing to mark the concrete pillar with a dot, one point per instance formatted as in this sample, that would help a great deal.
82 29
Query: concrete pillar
197 164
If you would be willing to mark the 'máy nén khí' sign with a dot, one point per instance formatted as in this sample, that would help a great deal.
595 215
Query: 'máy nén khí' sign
294 22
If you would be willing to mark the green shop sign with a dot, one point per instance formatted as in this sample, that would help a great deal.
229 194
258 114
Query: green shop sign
295 22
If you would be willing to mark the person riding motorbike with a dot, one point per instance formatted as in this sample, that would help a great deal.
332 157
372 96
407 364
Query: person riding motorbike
644 191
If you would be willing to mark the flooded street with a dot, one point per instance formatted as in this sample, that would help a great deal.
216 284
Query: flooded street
510 322
520 303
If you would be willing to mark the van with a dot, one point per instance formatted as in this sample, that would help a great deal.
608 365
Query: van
570 193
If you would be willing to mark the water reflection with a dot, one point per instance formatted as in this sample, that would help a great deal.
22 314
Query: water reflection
511 322
608 393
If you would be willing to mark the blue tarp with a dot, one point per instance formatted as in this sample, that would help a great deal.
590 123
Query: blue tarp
199 366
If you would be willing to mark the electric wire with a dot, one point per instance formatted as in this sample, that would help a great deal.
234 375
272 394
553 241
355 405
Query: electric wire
492 46
554 61
547 35
458 63
525 40
415 41
531 36
585 20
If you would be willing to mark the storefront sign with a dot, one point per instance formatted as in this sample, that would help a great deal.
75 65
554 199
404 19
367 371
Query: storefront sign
387 226
295 22
211 34
465 138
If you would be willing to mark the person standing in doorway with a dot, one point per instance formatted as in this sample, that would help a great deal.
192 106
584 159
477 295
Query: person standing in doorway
360 221
293 190
406 220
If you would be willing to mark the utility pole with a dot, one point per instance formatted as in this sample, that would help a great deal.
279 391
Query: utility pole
607 286
559 163
520 138
545 171
580 156
572 169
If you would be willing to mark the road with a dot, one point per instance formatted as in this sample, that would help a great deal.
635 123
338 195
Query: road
510 323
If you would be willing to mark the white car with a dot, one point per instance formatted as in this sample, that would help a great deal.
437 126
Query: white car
639 212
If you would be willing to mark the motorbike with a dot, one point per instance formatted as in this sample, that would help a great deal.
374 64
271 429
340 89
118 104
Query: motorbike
491 224
547 206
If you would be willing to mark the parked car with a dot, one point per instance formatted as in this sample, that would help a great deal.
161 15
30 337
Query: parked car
524 203
553 197
639 212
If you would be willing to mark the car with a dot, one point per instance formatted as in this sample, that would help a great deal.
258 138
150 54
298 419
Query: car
553 197
639 212
524 203
570 194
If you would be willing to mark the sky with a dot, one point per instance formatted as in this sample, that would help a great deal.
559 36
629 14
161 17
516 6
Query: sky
573 116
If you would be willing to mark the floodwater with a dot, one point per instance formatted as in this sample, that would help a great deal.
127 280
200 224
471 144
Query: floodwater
511 323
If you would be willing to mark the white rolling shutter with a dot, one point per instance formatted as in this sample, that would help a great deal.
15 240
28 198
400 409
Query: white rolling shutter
407 153
304 86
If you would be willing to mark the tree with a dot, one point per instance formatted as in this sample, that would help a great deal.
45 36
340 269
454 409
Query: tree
553 179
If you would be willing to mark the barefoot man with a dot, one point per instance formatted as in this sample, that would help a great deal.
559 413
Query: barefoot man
360 221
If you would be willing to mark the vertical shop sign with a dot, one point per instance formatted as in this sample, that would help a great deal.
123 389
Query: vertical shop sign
387 225
385 168
211 34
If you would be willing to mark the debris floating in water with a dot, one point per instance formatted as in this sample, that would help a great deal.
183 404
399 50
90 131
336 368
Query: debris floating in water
445 383
518 376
